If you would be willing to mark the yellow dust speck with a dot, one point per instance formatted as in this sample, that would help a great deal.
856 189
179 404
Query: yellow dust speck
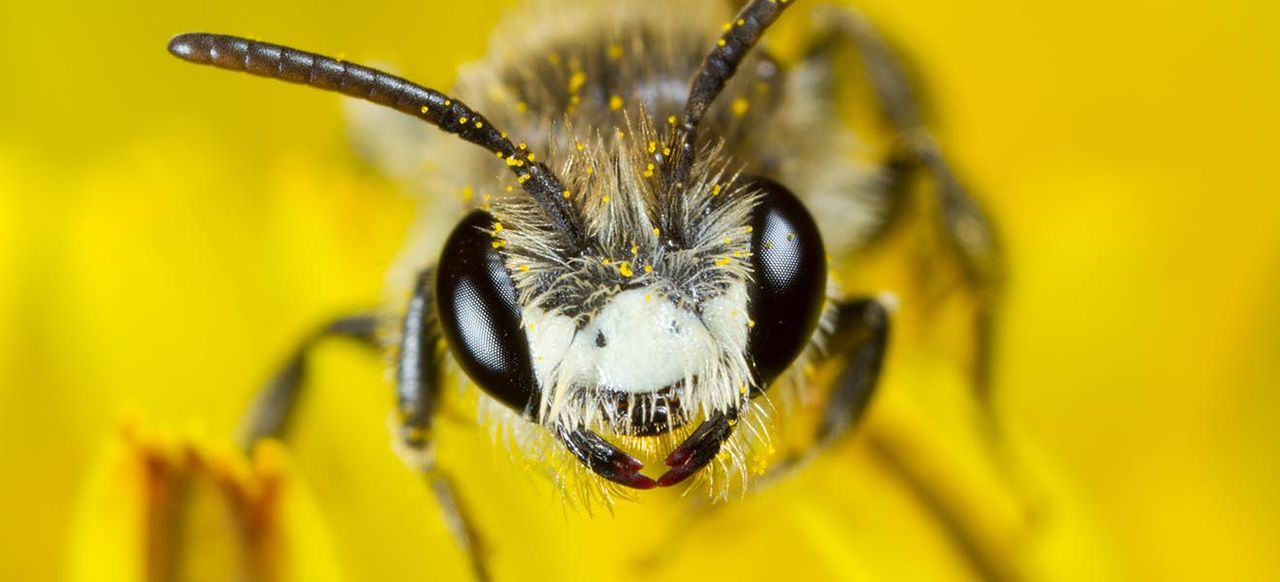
511 161
621 134
479 124
523 178
726 27
604 199
499 154
590 170
671 120
580 147
751 322
531 157
720 42
625 269
521 106
524 268
715 190
741 22
497 227
503 134
635 249
751 228
666 151
532 326
615 52
576 81
648 268
485 197
740 106
523 146
462 120
722 261
605 261
565 193
733 314
424 109
615 103
509 188
648 297
447 102
656 231
653 146
497 244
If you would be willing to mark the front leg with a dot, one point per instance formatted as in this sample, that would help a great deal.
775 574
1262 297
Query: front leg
418 385
860 337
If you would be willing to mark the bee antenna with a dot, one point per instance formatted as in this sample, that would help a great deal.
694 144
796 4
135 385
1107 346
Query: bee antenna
717 68
448 114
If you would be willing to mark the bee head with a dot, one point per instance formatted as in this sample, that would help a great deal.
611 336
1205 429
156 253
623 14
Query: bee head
682 301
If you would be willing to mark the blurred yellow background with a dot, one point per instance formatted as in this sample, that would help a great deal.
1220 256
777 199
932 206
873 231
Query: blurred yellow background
167 233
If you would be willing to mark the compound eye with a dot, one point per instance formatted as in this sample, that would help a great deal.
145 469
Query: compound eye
790 278
480 317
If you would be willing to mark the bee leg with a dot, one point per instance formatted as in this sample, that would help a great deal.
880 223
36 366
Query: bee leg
272 409
418 385
966 229
861 336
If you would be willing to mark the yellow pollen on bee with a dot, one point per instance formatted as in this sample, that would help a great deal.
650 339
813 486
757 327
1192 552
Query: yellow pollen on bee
532 326
615 103
479 124
715 190
497 244
751 322
720 42
509 188
671 120
524 268
742 389
605 261
741 22
727 240
485 197
499 154
621 134
462 120
666 151
447 102
521 106
424 109
653 146
523 178
740 106
733 314
522 146
726 27
737 253
625 269
635 249
576 81
722 261
531 158
580 146
497 227
615 52
656 231
503 134
591 170
648 296
565 193
751 228
511 161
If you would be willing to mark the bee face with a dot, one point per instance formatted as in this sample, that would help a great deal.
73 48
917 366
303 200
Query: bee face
641 332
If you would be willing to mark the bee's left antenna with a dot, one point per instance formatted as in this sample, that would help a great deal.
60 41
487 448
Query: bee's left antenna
448 114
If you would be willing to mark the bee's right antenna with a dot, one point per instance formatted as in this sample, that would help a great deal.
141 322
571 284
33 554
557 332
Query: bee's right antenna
717 68
448 114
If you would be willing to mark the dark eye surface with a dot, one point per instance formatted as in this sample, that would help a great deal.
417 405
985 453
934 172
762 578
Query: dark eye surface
790 267
480 317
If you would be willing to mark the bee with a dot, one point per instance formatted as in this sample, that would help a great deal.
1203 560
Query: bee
645 271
